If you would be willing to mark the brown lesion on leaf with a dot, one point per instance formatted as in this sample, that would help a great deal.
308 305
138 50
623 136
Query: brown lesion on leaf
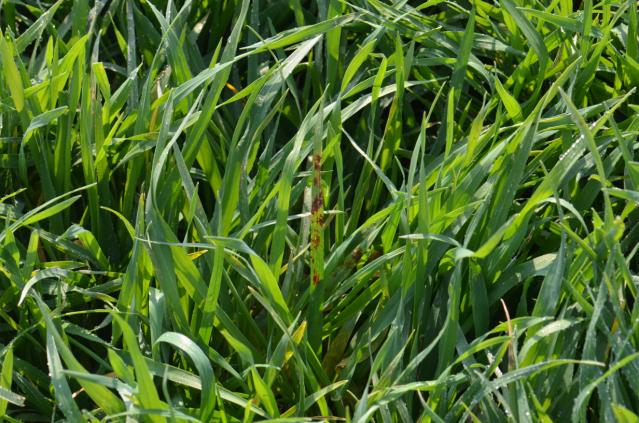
315 241
317 207
374 255
317 163
352 261
318 202
315 277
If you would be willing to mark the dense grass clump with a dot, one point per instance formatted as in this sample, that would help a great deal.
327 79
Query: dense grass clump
291 210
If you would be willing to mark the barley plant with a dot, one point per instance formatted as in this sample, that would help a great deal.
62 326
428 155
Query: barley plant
315 211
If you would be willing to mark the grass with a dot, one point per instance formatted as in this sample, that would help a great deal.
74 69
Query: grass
288 211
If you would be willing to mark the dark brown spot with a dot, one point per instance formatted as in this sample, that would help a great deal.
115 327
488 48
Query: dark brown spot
357 254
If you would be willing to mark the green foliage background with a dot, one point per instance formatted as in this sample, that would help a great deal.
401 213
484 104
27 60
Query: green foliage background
289 210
